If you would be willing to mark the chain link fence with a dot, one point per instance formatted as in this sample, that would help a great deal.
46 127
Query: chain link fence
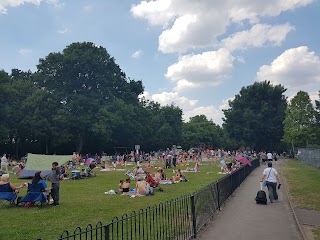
309 156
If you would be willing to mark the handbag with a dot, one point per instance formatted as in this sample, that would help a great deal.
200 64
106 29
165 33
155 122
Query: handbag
265 182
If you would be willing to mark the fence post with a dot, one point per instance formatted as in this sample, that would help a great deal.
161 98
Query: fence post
194 217
106 231
218 193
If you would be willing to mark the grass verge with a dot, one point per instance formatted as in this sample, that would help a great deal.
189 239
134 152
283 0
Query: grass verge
303 186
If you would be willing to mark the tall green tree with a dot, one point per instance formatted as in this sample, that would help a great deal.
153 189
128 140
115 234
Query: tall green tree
87 82
256 116
201 131
300 121
317 126
4 106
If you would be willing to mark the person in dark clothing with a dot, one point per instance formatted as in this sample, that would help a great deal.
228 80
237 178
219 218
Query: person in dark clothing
54 178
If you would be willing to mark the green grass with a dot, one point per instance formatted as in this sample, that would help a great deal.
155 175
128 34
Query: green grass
316 233
83 202
303 184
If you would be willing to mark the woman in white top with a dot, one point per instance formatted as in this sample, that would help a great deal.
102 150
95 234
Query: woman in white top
272 177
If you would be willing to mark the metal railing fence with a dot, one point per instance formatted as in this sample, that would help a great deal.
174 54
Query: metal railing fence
181 218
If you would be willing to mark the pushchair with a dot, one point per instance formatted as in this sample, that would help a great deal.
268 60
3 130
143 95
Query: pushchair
153 183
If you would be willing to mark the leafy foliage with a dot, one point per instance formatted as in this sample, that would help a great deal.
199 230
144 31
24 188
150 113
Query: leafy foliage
256 115
299 124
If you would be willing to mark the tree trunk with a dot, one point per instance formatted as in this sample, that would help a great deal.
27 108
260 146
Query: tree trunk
47 145
17 147
80 144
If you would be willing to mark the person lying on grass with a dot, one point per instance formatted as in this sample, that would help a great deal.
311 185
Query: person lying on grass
195 169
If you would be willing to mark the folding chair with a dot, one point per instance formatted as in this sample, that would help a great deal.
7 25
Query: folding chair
35 194
7 194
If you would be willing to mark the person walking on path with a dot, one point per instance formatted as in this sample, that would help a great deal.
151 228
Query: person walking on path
240 218
272 178
54 178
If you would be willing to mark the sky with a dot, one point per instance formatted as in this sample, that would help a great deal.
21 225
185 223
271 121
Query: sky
195 54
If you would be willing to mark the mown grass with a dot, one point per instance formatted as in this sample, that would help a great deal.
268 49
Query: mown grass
303 185
83 202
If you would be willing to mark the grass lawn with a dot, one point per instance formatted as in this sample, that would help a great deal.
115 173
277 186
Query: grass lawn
303 184
83 202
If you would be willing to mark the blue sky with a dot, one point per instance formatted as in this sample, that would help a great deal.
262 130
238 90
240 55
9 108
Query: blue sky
195 54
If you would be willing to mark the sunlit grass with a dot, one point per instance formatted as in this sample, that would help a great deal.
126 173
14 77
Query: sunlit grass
303 183
83 202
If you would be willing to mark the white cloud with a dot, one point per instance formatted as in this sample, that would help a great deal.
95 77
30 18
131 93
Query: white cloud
25 51
188 106
209 111
55 3
136 54
314 96
4 4
190 24
63 30
258 36
168 98
201 70
225 103
156 12
296 69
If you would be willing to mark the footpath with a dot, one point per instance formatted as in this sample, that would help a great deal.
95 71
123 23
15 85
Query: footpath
242 219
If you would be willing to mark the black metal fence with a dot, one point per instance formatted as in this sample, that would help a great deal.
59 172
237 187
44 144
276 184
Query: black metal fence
309 156
181 218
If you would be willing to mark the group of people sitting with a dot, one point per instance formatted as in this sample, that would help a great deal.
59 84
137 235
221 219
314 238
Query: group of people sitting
228 167
142 187
7 186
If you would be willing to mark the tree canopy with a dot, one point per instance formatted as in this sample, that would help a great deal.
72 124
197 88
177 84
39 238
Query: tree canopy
300 121
255 117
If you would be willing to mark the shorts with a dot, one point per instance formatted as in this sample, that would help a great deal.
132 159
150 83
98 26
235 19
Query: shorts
125 189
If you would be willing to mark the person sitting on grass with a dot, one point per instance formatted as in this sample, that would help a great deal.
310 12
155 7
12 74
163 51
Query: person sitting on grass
126 187
142 188
138 171
160 175
179 177
120 186
223 167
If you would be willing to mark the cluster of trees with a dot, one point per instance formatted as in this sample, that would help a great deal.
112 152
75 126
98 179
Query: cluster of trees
80 100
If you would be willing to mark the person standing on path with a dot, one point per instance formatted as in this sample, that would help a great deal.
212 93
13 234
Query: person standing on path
272 178
269 156
54 178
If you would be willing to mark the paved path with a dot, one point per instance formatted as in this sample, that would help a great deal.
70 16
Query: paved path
242 219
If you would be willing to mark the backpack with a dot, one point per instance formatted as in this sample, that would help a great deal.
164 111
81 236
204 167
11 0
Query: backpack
261 197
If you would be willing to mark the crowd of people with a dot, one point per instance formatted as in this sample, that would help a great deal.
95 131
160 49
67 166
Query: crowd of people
144 164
